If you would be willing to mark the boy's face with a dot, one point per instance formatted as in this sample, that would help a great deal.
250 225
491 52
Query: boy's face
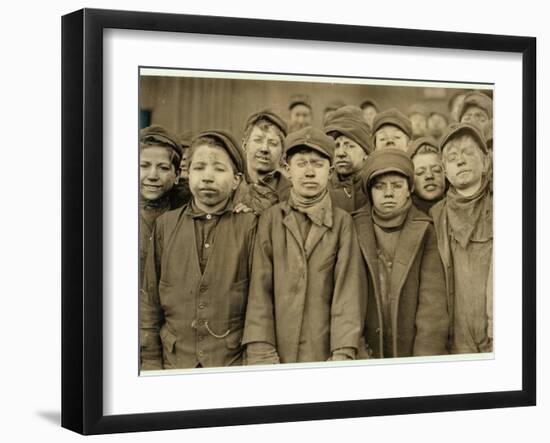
389 192
369 112
157 174
300 116
309 173
429 178
464 163
475 115
211 176
418 124
436 125
390 136
349 157
263 149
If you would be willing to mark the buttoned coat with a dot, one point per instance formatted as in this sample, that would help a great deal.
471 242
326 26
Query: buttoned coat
306 300
188 318
420 323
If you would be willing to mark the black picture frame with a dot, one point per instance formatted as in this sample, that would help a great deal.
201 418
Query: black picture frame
82 219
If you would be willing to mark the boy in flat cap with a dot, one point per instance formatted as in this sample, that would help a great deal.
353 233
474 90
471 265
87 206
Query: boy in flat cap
369 108
464 225
195 287
301 113
353 144
391 129
263 140
407 306
429 177
476 109
306 301
159 165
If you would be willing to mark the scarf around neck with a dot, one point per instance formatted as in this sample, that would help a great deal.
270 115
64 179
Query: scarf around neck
464 212
317 209
394 220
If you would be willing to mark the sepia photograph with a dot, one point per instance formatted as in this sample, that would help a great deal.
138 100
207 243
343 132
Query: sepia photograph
302 219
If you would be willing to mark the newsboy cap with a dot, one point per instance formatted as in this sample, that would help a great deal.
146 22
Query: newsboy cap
299 99
333 105
269 115
226 139
349 122
478 99
185 139
392 117
422 141
456 129
313 138
158 134
388 160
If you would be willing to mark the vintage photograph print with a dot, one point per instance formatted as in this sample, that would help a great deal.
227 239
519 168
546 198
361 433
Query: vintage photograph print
293 219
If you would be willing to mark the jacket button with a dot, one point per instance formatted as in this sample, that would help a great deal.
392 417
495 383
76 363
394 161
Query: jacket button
203 288
202 305
201 337
201 353
208 216
201 322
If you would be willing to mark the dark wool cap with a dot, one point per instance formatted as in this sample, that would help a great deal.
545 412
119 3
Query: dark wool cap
349 122
369 102
231 146
313 138
421 141
387 160
476 99
269 115
392 117
456 129
158 134
299 99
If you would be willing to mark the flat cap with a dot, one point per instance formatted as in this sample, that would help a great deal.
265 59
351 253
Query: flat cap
230 144
478 99
488 134
299 99
392 117
387 160
422 141
269 115
349 122
333 105
457 129
159 134
312 138
185 139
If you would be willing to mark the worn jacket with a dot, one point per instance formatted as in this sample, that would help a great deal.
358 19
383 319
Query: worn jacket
420 321
188 318
306 301
438 212
349 195
272 189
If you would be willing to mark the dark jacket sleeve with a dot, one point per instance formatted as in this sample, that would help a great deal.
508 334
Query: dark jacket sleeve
432 319
260 322
349 300
150 312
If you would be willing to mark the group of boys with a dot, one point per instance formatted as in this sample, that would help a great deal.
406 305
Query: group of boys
301 244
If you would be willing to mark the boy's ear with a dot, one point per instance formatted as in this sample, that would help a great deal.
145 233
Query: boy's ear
330 170
237 178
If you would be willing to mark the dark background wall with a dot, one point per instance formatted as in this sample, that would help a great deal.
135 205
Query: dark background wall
194 104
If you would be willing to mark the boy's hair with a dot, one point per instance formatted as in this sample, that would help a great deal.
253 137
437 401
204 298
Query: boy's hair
264 124
208 141
175 159
303 150
375 179
334 134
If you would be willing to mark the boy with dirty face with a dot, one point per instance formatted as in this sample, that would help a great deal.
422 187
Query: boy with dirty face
306 301
196 276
